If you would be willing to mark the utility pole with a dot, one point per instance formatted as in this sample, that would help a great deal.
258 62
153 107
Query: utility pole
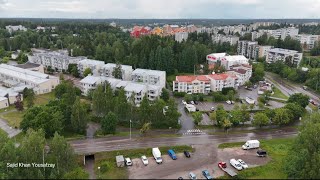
130 128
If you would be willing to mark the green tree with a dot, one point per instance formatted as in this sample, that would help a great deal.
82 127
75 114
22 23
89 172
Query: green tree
165 95
5 60
260 119
172 114
117 71
144 111
197 116
221 114
99 102
282 116
226 124
109 123
236 117
62 155
231 95
86 72
295 110
122 107
299 98
77 173
304 151
79 117
245 113
30 98
145 128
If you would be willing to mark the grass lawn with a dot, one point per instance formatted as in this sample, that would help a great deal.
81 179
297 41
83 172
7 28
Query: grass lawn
13 118
277 149
107 160
278 94
43 98
72 136
7 109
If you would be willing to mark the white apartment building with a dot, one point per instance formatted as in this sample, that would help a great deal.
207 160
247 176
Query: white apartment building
262 51
307 41
4 102
255 25
11 76
285 32
107 71
226 60
248 49
94 65
90 83
219 38
11 29
243 73
151 77
192 84
57 60
285 55
204 84
181 36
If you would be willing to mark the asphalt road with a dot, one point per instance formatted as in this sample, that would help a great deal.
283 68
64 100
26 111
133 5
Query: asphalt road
91 146
185 120
290 88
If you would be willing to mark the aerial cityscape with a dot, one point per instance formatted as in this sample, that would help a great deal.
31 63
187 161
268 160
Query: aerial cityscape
159 90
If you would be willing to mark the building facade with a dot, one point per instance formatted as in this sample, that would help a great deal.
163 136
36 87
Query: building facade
285 55
11 76
57 60
248 49
219 38
307 41
181 36
94 65
108 69
151 77
12 29
226 60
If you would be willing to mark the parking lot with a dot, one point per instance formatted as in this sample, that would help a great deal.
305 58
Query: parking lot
204 158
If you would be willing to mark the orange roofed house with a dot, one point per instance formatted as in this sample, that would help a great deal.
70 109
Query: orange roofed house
204 83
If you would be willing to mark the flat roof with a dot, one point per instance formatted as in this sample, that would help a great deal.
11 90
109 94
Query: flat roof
91 62
24 74
149 72
282 51
135 87
90 79
114 65
27 65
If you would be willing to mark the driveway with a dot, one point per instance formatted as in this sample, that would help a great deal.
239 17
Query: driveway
186 121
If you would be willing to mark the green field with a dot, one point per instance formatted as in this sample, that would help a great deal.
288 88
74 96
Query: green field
13 118
43 98
107 161
277 149
278 94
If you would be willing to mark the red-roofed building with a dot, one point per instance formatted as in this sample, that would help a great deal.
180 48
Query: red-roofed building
192 84
204 83
139 31
243 72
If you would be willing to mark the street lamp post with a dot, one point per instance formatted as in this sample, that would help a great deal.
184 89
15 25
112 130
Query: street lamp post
99 171
130 128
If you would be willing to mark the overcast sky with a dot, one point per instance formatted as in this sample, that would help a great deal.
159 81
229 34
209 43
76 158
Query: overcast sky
213 9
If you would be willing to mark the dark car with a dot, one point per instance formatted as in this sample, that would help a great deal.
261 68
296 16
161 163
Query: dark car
262 153
187 154
197 109
196 102
180 178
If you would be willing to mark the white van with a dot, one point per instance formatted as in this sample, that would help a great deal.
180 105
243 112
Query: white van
251 144
236 164
157 155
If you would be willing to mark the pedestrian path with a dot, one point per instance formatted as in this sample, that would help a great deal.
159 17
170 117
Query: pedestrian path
9 130
194 132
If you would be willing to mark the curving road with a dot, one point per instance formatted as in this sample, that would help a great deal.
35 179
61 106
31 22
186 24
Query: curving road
91 146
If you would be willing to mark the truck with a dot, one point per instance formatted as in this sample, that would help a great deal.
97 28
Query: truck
251 144
223 167
157 155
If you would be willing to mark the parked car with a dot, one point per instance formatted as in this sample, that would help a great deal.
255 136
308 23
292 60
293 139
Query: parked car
243 164
196 102
192 102
212 108
261 153
206 174
235 164
180 178
228 102
192 175
144 160
128 161
255 86
305 87
184 102
232 102
187 154
197 109
172 154
251 144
